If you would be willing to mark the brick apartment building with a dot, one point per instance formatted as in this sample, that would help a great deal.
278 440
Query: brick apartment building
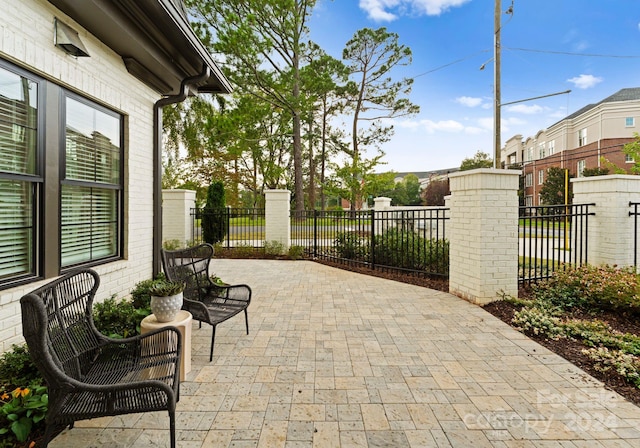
578 141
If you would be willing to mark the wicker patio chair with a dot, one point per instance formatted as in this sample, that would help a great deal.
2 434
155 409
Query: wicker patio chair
88 374
205 300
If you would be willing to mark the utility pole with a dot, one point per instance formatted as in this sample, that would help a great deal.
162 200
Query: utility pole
496 84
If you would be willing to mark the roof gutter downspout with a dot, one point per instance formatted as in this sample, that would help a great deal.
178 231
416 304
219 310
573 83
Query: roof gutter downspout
157 159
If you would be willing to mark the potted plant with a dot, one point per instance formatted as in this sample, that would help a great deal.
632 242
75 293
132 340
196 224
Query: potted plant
166 299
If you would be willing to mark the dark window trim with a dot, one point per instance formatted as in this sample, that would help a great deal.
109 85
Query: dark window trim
65 93
36 180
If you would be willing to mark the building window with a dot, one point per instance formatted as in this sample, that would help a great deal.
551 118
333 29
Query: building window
582 137
630 122
20 173
92 183
530 154
581 166
528 180
628 158
73 215
542 150
528 201
552 147
540 177
512 159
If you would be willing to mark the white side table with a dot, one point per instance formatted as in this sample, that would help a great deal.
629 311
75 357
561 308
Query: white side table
182 322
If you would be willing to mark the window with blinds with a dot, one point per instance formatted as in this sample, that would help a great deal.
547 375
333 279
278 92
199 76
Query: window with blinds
19 173
92 183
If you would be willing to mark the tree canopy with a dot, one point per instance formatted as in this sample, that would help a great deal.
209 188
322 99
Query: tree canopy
280 127
479 160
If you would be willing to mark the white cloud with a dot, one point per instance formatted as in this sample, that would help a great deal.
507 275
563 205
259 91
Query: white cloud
585 81
442 126
380 10
469 101
436 7
376 9
525 109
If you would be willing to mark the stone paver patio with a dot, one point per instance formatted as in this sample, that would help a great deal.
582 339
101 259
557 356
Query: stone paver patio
339 359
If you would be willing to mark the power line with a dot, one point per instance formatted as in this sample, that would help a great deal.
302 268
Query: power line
568 53
451 63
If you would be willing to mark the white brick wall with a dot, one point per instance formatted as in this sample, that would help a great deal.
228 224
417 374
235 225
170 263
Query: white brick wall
276 216
26 39
176 215
483 234
610 233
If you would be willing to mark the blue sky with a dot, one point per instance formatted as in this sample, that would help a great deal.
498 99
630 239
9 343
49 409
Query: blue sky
589 46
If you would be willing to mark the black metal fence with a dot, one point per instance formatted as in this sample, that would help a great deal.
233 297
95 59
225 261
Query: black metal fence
408 240
635 213
244 227
551 237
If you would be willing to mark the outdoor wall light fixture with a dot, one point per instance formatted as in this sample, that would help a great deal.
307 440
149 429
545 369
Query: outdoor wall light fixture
67 39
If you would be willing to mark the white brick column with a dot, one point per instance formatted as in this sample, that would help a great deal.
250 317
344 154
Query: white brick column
276 213
483 234
176 215
381 204
610 232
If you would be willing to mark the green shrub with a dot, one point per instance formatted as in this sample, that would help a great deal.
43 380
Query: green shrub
17 368
23 397
214 217
171 244
407 249
273 248
244 251
118 318
592 288
352 246
537 320
624 364
140 294
598 334
23 411
296 252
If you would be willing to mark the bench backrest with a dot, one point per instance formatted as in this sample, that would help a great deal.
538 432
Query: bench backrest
57 325
189 266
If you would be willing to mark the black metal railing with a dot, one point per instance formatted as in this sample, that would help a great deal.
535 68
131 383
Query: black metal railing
635 213
408 240
551 237
242 227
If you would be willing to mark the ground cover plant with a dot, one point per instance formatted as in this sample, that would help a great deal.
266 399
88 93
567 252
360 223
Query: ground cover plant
591 316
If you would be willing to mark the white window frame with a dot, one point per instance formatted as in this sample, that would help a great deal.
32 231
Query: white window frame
528 180
540 177
582 137
629 122
582 164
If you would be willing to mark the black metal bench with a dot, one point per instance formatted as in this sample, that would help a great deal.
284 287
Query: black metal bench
206 301
88 374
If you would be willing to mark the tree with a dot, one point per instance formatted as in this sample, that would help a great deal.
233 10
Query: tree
479 160
633 151
553 189
214 224
435 191
370 56
262 41
597 171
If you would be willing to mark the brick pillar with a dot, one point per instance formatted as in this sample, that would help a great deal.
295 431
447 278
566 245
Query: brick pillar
176 215
483 234
277 210
610 232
